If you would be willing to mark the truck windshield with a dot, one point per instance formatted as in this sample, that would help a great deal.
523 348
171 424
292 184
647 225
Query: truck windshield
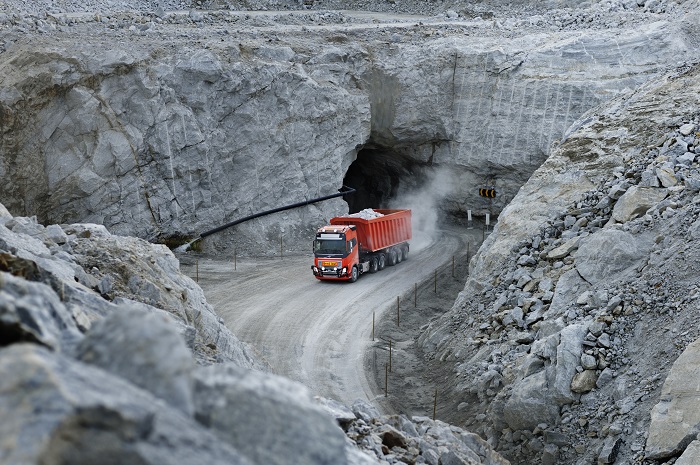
329 247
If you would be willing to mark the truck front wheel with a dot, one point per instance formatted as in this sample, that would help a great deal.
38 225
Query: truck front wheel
354 274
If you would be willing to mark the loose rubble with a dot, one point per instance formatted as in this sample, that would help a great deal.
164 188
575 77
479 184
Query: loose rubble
566 349
395 439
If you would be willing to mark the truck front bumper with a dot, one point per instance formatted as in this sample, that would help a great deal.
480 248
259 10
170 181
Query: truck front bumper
338 273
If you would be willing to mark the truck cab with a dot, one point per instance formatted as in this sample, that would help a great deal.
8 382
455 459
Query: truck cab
336 253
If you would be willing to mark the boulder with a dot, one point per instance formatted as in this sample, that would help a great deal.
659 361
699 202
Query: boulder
608 254
266 417
530 404
584 382
32 312
636 201
565 249
146 349
691 455
568 356
569 286
56 410
675 419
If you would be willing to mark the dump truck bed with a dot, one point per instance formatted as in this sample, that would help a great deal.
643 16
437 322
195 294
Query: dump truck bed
393 228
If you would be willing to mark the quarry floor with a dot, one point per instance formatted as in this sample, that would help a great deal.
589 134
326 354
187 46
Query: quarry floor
320 333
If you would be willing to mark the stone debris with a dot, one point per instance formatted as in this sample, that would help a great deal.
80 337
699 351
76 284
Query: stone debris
398 439
619 261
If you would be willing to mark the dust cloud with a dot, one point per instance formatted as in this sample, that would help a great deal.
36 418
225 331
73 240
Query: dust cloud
424 200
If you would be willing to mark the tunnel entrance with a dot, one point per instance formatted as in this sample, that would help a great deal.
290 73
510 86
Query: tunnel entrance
380 176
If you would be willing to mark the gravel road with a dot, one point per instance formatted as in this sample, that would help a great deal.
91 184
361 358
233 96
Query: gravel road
317 332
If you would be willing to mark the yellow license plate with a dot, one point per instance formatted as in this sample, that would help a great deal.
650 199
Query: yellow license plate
329 264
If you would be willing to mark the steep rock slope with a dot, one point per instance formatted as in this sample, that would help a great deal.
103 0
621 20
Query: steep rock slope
586 292
167 125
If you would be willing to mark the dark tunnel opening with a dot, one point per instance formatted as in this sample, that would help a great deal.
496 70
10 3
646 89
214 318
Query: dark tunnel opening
380 176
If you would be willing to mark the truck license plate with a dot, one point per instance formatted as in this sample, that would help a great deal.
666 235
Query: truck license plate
329 264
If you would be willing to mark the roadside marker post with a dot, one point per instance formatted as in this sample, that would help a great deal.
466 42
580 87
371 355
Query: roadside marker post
389 354
197 268
435 405
386 380
470 225
398 312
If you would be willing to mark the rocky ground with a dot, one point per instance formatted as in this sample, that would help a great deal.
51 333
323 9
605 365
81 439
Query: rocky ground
574 339
567 348
106 348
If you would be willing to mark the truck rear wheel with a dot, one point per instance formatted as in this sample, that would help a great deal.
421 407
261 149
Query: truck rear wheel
404 251
392 258
382 261
354 274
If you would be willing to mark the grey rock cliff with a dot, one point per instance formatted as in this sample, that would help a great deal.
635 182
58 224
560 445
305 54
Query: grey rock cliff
166 138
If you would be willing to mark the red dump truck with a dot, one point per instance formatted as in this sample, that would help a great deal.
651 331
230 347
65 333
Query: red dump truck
366 242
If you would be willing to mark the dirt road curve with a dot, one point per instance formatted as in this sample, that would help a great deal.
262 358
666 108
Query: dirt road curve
317 332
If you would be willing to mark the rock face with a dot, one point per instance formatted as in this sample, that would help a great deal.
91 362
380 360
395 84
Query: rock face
620 290
179 131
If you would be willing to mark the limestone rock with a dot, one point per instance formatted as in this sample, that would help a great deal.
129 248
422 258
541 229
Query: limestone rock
686 129
610 449
636 201
564 249
530 404
691 455
675 420
342 414
569 286
146 349
32 312
607 254
267 418
666 177
584 382
76 414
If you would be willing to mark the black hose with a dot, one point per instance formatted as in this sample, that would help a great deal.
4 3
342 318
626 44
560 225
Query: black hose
349 190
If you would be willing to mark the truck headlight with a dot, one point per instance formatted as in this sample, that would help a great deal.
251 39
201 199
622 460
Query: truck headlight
345 270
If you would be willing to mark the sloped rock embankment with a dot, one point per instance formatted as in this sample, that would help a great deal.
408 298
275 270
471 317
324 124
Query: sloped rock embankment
586 294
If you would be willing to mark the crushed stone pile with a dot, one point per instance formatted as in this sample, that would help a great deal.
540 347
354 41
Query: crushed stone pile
366 214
